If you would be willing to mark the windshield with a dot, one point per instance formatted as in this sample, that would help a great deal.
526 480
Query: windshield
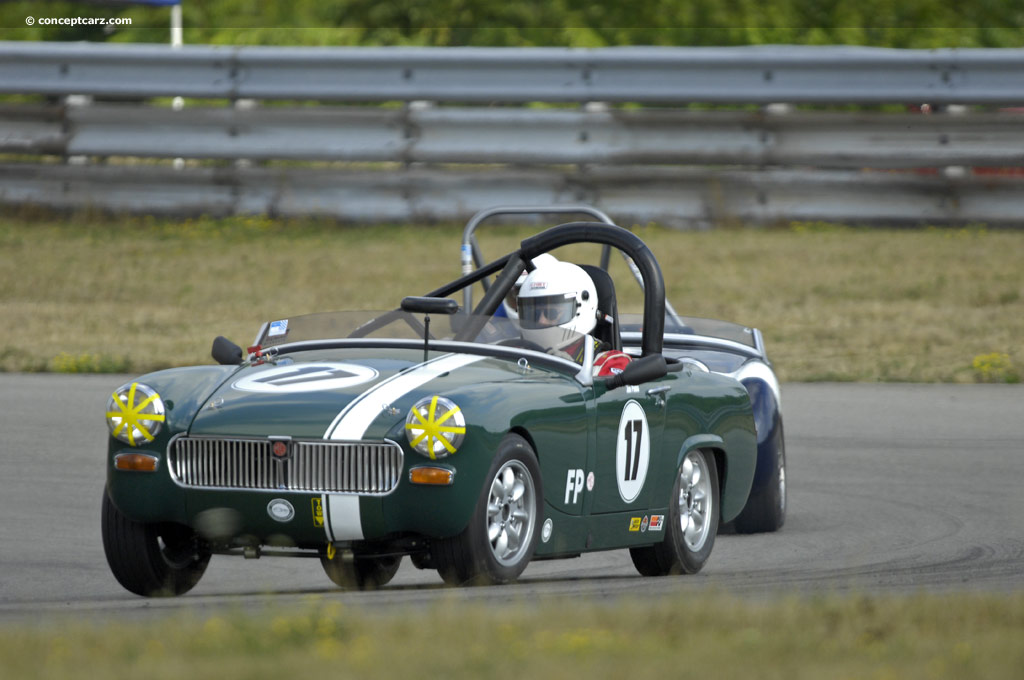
396 324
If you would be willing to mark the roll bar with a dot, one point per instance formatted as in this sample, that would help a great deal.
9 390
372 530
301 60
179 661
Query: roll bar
472 257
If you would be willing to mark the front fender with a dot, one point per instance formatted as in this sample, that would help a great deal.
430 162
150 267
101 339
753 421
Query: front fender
153 496
548 409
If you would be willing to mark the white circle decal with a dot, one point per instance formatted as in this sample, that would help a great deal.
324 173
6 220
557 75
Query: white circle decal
312 377
281 510
632 451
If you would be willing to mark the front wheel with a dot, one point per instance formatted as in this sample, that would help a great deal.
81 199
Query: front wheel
362 573
152 560
502 533
692 521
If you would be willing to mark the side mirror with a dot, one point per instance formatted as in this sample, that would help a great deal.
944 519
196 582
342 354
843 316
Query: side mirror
226 352
644 369
429 305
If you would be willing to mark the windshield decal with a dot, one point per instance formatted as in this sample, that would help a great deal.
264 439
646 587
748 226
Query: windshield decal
278 328
313 377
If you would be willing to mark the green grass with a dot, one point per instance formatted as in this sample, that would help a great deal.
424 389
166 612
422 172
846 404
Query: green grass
95 294
679 636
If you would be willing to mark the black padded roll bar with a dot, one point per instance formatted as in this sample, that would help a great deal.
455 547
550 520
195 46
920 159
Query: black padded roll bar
494 295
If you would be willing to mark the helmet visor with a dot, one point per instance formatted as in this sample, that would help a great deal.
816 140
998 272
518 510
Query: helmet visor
546 311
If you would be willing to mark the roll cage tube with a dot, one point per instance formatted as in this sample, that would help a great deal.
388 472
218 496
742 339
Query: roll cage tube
470 278
473 256
493 297
596 232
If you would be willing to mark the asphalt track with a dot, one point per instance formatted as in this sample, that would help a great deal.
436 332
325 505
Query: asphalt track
892 488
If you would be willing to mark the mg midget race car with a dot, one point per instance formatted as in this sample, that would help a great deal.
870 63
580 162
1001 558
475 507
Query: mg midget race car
707 344
433 431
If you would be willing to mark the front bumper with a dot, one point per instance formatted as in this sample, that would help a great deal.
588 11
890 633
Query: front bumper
236 493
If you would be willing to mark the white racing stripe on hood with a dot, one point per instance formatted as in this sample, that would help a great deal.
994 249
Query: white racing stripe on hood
342 511
351 423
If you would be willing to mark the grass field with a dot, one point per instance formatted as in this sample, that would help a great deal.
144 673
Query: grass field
91 294
679 636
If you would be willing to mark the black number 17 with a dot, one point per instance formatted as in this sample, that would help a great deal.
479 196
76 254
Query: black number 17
634 434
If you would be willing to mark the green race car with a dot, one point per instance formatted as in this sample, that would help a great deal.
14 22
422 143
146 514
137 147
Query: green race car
431 431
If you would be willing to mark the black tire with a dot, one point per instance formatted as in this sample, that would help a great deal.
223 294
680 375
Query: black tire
692 521
362 573
502 533
765 510
422 560
152 560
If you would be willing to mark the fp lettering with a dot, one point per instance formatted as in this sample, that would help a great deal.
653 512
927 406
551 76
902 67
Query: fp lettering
573 485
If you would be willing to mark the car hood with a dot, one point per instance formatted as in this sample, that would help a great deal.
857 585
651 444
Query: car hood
338 394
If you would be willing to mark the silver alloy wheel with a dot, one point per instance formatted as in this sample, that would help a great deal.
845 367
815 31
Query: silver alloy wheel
511 513
695 501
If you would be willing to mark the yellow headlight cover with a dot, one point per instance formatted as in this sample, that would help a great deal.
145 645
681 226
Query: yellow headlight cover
135 413
435 427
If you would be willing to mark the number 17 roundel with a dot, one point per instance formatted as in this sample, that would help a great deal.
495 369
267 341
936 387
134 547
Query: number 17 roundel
632 451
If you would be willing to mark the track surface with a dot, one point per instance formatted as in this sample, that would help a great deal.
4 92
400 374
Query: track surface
892 488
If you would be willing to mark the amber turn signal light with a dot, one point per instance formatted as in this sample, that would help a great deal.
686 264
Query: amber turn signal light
431 475
136 462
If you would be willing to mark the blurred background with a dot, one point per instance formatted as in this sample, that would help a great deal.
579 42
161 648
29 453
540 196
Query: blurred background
847 177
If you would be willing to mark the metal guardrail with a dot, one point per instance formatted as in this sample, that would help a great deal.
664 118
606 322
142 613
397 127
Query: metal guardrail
683 197
630 160
739 75
517 135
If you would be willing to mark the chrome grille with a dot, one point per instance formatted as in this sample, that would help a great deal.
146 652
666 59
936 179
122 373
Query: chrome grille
370 468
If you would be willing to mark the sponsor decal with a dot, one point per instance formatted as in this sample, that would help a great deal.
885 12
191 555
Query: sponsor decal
313 377
644 523
632 451
634 523
280 510
278 328
573 486
318 512
657 522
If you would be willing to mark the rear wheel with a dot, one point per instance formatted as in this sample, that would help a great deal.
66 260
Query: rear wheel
692 521
502 533
362 573
152 559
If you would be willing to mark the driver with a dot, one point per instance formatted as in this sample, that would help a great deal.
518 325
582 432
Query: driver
557 309
509 305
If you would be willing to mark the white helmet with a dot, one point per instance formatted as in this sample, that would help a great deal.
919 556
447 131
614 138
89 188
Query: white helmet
511 306
557 304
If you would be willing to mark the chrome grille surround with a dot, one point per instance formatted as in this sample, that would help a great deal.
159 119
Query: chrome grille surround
364 468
